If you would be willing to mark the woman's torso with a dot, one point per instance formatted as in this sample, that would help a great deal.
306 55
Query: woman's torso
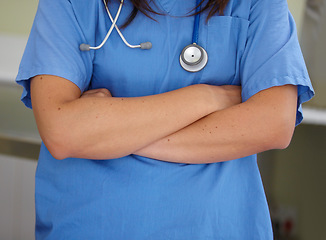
140 198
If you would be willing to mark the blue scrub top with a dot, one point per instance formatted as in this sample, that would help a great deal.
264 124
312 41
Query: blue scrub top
253 45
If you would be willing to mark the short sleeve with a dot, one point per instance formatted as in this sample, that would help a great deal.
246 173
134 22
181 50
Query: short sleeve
272 55
53 48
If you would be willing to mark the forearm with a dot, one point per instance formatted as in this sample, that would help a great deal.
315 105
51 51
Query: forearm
103 128
215 138
242 130
116 127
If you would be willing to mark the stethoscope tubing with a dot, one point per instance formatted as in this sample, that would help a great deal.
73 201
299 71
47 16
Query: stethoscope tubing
87 47
195 34
112 26
193 57
116 27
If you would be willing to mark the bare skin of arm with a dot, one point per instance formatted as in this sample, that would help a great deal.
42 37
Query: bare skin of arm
266 121
96 125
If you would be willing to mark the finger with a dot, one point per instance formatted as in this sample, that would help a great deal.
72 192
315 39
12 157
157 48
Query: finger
105 91
97 94
101 91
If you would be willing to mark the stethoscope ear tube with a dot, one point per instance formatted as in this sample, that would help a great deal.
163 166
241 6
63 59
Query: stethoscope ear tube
87 47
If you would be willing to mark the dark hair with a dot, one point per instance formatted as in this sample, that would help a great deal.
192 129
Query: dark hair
143 6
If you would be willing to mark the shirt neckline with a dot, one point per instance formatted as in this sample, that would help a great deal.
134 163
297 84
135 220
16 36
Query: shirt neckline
166 5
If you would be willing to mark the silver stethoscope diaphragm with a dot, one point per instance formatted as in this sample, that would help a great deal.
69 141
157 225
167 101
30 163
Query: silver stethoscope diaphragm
193 58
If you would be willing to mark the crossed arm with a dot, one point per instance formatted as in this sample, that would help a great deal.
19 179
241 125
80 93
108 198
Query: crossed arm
195 124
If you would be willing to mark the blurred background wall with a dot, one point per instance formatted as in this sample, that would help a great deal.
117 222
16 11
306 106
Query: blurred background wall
294 178
19 141
16 17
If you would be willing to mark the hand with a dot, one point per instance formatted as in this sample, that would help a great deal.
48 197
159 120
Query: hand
227 96
100 92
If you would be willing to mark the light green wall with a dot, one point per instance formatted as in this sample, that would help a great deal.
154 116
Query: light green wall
297 9
16 17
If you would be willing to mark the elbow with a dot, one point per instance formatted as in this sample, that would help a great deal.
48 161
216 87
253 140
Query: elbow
281 135
282 142
63 146
57 151
57 147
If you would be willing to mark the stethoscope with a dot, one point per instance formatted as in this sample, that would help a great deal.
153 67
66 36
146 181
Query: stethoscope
193 57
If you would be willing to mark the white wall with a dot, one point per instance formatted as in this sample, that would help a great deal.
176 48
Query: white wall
17 214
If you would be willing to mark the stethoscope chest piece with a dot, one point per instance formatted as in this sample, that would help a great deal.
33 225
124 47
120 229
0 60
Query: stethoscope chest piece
193 58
